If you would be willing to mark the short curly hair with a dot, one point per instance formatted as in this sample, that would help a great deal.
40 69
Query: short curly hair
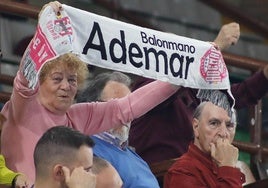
69 61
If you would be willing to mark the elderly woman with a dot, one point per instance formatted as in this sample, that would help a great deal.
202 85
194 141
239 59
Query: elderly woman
30 112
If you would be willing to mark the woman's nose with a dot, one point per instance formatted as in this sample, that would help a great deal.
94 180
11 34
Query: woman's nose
65 84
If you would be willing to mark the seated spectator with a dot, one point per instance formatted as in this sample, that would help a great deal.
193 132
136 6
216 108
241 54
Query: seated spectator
211 159
63 157
106 174
171 120
8 177
112 145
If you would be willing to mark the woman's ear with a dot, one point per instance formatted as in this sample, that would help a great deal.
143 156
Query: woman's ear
58 173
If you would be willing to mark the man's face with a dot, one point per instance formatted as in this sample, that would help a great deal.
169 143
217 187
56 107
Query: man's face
84 158
214 123
114 90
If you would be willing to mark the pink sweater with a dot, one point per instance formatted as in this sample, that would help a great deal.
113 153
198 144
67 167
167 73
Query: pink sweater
27 119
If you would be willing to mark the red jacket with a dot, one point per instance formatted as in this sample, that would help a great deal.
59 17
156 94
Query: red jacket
195 169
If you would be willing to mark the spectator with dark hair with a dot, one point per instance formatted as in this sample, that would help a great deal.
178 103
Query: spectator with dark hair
63 157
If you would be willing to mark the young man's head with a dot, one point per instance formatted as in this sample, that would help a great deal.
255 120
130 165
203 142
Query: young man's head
60 147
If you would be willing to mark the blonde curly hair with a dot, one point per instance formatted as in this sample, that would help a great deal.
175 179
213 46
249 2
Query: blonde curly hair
69 61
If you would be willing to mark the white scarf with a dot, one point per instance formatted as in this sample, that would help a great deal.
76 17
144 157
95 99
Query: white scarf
120 46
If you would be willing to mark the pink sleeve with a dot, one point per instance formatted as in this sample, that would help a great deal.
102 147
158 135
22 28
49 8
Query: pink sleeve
96 117
20 97
146 98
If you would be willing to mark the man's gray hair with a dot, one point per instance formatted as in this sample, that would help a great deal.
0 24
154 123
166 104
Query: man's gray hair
94 88
218 98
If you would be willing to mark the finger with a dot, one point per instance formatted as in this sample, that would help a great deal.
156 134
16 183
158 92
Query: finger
226 142
218 142
56 6
215 45
234 39
66 173
212 149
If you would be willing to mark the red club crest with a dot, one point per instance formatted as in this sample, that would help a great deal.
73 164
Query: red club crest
212 67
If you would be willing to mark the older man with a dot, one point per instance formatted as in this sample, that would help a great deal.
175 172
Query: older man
211 159
112 145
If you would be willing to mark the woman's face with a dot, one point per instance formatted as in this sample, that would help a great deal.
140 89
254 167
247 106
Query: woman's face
58 90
